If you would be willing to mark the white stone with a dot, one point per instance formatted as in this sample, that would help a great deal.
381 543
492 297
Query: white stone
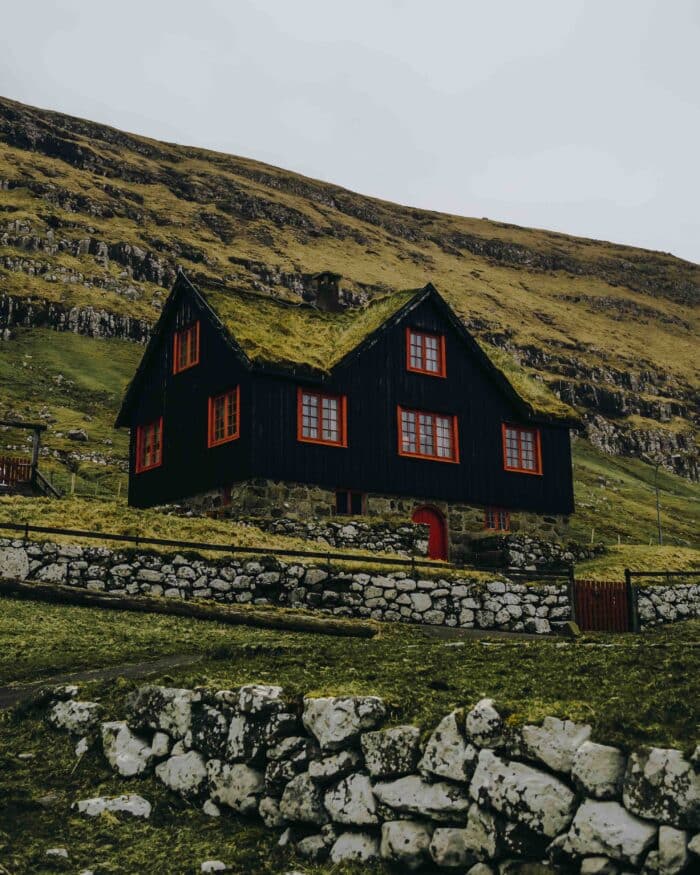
598 770
355 847
694 845
480 869
302 801
606 829
185 774
14 563
126 752
259 698
448 848
168 709
160 744
484 724
598 866
555 742
237 785
75 717
520 792
335 766
269 811
213 866
391 752
412 795
673 850
82 747
129 803
405 843
660 784
351 801
336 721
481 833
211 809
447 754
56 572
56 852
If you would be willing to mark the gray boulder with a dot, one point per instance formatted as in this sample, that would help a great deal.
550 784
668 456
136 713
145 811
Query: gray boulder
129 803
126 752
660 784
258 699
14 563
302 801
598 770
607 829
534 798
412 795
555 742
78 718
447 754
236 785
391 752
484 725
406 844
335 766
185 773
168 709
335 722
448 848
355 847
673 850
352 802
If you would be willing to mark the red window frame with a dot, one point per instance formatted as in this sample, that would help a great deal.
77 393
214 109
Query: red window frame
423 369
433 457
519 465
496 519
146 434
319 399
190 337
229 397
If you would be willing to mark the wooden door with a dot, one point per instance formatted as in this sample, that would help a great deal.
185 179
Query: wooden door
437 539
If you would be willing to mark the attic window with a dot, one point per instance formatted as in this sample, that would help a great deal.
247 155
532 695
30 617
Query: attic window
224 417
496 519
322 419
522 451
428 435
425 353
186 348
149 446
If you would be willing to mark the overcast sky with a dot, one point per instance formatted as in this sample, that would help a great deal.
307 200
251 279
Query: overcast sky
577 115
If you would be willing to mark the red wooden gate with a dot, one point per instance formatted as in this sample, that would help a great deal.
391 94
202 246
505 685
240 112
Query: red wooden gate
602 605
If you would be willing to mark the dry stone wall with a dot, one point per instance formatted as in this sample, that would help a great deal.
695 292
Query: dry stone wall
397 596
479 796
657 605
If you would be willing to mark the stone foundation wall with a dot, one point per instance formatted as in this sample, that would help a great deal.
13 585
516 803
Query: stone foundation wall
479 796
395 596
278 499
657 605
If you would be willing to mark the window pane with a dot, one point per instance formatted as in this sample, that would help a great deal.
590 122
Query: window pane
512 455
330 425
416 350
527 450
231 414
432 362
444 437
503 520
426 434
408 431
309 416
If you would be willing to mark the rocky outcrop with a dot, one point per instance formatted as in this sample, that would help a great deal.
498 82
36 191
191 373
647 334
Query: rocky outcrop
573 806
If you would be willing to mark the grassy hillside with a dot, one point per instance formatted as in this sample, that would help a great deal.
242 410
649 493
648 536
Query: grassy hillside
93 217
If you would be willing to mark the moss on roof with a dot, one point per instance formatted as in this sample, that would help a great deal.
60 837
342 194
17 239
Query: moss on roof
295 334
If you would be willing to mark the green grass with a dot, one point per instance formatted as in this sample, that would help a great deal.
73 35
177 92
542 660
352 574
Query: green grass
633 690
640 558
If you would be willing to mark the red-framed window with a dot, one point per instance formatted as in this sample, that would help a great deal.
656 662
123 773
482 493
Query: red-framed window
322 419
425 353
350 503
496 519
149 445
522 449
186 348
428 435
224 417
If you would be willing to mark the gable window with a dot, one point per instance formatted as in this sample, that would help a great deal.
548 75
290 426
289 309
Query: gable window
428 435
224 417
350 503
149 445
496 519
186 348
425 353
322 419
521 449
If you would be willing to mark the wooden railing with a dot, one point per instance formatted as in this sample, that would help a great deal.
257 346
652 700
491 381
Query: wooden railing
14 470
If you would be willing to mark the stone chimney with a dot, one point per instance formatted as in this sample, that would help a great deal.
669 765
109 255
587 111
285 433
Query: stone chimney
328 295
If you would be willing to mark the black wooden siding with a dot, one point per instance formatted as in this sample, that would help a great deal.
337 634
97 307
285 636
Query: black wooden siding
376 381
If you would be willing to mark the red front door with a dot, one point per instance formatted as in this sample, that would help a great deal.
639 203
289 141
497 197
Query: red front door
437 540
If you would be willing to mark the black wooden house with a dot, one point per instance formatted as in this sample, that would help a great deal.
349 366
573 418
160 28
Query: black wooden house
390 409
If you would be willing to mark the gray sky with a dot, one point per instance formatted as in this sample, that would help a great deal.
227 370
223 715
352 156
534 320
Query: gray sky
577 115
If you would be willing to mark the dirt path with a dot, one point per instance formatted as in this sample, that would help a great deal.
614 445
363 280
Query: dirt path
13 694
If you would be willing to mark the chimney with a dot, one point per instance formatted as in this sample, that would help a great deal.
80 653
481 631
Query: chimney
327 286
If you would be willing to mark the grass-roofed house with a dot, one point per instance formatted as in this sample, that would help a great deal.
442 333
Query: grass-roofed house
275 408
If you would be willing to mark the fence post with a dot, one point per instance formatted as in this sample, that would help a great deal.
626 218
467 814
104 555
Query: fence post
632 604
571 592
